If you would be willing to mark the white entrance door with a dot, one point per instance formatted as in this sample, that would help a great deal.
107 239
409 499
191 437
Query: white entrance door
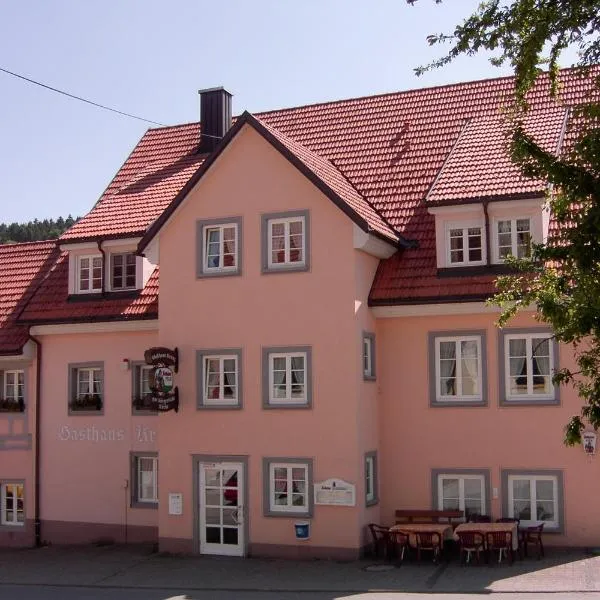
222 508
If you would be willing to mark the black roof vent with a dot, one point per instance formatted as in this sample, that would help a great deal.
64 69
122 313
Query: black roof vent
215 115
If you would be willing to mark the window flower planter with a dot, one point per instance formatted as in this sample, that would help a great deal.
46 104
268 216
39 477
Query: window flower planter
87 402
12 405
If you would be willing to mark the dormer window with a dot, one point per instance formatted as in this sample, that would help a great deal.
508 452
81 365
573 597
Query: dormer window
122 271
513 238
465 244
89 274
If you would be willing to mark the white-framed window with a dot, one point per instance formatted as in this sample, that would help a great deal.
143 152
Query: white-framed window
458 368
529 362
286 242
287 378
220 247
89 274
368 356
512 237
465 244
86 387
142 393
461 492
145 491
13 390
371 496
122 271
220 379
289 487
534 499
12 504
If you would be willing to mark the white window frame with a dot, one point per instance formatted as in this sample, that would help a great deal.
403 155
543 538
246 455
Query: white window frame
14 522
459 397
465 226
15 397
513 235
286 221
90 380
221 400
138 492
533 479
289 399
370 491
220 227
124 256
91 289
461 477
367 356
289 507
529 360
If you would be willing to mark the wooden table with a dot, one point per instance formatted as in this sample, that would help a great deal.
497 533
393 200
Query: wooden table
411 529
486 527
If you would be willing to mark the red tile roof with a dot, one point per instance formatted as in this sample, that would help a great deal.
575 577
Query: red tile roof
22 269
479 164
387 149
51 302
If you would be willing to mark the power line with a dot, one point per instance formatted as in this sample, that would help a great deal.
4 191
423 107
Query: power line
52 89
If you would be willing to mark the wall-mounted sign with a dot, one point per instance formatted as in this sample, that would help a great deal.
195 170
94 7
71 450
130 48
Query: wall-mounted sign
336 492
165 395
175 504
589 442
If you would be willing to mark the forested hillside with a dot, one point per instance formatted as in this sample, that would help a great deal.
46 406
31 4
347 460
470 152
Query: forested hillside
35 230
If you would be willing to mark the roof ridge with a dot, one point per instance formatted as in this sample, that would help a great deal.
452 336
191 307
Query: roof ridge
406 91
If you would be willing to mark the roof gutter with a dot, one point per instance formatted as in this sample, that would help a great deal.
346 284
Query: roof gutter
37 471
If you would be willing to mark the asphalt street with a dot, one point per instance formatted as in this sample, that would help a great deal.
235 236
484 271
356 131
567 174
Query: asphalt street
36 592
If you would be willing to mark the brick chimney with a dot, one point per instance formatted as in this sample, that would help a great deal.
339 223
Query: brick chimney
215 115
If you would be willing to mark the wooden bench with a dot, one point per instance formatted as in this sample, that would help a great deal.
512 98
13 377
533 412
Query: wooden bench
427 516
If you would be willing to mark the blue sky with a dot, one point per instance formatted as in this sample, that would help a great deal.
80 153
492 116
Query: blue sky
150 57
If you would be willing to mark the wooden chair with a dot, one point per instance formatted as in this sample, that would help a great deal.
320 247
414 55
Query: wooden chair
509 520
533 535
469 542
430 541
399 542
501 541
381 540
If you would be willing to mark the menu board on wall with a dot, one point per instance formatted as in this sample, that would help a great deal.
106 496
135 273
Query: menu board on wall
175 504
335 492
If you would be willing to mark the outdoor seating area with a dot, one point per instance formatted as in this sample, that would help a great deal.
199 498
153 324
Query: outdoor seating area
443 535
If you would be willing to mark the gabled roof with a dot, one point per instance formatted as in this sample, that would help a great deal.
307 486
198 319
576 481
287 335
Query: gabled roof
318 169
479 166
389 149
22 269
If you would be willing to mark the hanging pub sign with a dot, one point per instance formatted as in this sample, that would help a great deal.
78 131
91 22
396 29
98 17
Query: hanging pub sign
165 395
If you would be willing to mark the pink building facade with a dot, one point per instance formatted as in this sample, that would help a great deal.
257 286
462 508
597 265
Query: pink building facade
323 277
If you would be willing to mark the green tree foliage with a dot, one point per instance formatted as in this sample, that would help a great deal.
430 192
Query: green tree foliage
48 229
562 278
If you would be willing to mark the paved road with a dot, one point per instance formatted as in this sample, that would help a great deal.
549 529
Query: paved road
35 592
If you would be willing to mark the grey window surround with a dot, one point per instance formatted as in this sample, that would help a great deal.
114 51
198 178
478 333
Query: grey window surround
266 352
433 401
373 376
435 473
504 475
200 225
197 459
375 500
72 387
5 527
133 462
264 241
200 400
532 401
267 462
136 366
9 366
